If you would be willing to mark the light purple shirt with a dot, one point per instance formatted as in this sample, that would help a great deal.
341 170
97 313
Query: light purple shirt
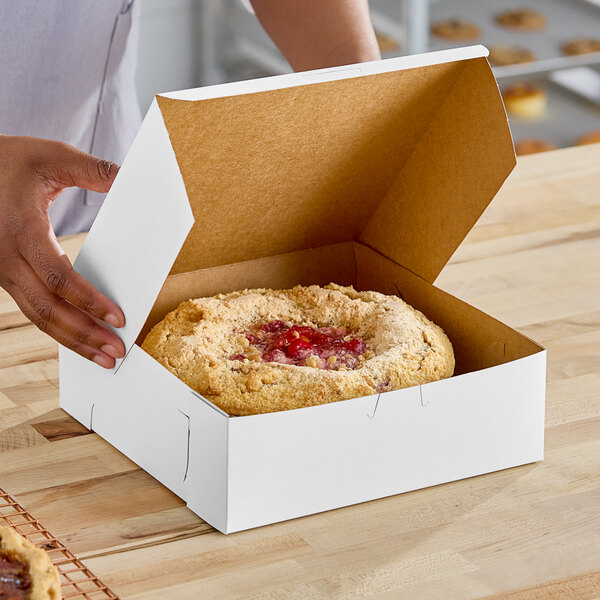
67 72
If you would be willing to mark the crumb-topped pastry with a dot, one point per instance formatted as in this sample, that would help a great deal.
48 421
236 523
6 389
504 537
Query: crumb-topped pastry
262 350
26 572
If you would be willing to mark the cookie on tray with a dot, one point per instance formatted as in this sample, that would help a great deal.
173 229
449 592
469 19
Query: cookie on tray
525 100
581 46
532 146
386 43
456 30
592 137
262 350
522 19
26 571
510 55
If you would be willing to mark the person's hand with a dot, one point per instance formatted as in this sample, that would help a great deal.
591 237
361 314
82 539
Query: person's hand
34 269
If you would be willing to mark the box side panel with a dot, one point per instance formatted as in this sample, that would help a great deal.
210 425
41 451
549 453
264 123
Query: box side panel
485 421
348 452
140 228
479 341
206 480
82 384
335 263
298 462
144 413
456 169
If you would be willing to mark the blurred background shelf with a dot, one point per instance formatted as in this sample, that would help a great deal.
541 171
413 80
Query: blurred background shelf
187 43
567 117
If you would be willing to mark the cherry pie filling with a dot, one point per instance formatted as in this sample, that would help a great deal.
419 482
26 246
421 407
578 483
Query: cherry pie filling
15 583
332 348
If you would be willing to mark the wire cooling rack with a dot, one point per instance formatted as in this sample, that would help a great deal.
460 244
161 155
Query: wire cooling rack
77 581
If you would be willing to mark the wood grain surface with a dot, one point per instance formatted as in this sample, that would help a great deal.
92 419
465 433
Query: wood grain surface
531 532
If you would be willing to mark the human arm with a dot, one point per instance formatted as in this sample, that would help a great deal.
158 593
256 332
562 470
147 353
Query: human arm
313 34
34 269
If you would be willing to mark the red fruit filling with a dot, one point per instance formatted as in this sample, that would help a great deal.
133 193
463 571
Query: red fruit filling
331 347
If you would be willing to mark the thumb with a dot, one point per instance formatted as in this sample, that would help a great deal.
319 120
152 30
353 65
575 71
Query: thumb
67 166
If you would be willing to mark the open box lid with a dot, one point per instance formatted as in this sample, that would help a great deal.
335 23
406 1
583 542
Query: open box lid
402 155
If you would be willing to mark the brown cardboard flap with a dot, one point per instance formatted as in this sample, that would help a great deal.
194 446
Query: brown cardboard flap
405 161
283 170
458 165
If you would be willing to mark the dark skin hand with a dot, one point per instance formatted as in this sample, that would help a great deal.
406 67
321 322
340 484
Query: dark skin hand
34 269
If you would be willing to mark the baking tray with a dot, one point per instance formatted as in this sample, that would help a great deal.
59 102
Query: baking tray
77 581
567 116
566 19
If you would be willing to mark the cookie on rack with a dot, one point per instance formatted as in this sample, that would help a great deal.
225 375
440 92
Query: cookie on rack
581 46
522 19
510 55
262 350
532 146
26 571
525 100
456 30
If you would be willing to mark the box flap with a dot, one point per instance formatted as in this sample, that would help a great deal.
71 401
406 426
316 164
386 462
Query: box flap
140 229
454 171
294 162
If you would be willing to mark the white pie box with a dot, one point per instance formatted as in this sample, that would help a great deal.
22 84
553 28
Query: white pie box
368 174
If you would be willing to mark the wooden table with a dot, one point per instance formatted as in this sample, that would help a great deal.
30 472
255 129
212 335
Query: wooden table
524 533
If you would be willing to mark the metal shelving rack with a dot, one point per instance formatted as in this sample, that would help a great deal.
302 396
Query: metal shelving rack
572 83
572 111
408 22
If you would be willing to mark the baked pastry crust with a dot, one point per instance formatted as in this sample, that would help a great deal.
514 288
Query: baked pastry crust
199 341
456 30
45 582
522 19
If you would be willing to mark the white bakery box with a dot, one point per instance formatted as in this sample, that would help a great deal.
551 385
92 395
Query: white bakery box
368 174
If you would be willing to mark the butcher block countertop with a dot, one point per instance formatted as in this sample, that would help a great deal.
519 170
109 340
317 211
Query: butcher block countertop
531 532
